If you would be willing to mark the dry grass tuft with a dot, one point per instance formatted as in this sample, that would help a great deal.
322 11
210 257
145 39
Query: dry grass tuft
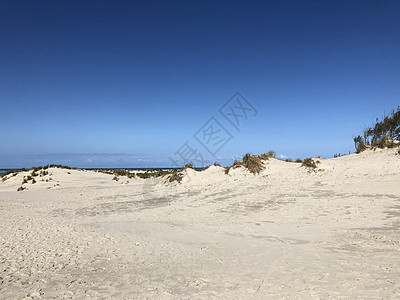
253 163
188 166
175 177
385 142
268 155
361 147
310 163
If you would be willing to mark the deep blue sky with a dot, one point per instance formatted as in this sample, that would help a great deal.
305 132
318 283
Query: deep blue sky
124 84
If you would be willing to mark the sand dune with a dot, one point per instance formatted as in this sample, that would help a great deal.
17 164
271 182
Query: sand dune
286 233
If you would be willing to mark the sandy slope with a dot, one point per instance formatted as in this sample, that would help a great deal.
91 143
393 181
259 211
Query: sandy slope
286 233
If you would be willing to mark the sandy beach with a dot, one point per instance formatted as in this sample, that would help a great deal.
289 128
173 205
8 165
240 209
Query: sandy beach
287 233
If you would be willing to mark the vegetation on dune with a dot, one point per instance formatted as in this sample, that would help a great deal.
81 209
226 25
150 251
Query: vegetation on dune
156 173
41 169
175 177
253 163
310 163
13 172
5 175
148 173
188 166
383 134
336 155
268 155
359 144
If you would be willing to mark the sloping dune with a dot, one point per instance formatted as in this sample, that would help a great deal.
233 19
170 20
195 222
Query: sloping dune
289 232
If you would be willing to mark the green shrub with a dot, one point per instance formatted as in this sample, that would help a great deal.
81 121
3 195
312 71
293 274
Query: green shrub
144 175
43 173
298 160
217 164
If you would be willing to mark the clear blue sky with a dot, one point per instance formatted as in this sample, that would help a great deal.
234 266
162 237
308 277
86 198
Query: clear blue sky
125 84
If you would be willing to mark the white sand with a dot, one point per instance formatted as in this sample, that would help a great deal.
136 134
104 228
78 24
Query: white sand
286 233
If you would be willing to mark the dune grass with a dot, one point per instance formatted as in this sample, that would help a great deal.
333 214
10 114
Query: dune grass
310 163
253 163
383 134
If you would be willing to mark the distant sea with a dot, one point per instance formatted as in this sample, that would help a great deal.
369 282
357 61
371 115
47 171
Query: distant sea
2 171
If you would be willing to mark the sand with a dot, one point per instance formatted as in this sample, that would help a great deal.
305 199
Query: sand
287 233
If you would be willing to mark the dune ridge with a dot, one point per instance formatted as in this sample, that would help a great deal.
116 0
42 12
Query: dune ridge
289 231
